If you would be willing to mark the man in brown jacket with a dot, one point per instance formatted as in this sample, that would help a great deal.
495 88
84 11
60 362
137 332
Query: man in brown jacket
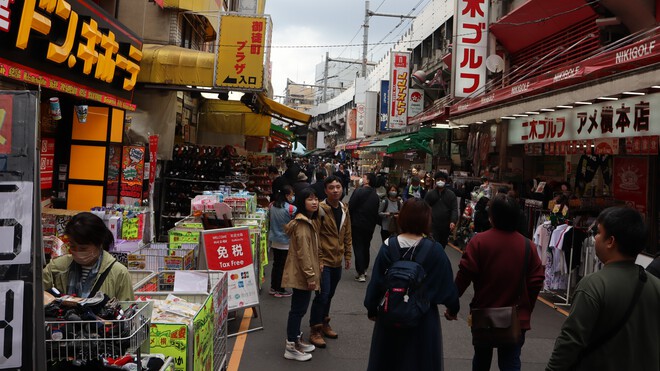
335 245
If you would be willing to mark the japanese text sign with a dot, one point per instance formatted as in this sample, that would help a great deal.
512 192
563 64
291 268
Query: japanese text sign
471 47
46 162
243 44
399 86
230 250
630 117
384 103
85 53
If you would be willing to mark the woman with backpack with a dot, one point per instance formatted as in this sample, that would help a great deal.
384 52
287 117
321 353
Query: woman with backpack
407 333
302 271
389 212
281 213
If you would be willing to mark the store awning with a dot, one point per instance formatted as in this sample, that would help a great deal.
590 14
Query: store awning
280 111
232 117
386 142
285 134
537 19
417 142
172 65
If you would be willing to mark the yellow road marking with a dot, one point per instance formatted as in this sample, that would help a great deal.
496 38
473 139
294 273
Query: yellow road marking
239 345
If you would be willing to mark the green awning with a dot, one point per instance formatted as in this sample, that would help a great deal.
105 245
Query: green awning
285 133
386 142
411 142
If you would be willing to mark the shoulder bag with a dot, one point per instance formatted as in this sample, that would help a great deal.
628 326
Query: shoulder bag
496 327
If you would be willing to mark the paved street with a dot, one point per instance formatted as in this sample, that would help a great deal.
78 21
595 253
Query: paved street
263 350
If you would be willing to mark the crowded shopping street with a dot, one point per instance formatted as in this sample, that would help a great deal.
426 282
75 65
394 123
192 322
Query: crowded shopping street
379 185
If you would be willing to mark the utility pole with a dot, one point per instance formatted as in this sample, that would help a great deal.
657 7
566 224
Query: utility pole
365 38
325 79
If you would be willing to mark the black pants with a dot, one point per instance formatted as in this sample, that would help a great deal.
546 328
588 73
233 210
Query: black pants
442 237
330 277
361 246
279 258
299 304
385 234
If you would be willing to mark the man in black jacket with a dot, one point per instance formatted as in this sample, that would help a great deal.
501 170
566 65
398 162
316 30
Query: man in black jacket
444 209
363 207
319 186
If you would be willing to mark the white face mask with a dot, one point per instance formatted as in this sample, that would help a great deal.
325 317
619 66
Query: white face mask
440 183
85 258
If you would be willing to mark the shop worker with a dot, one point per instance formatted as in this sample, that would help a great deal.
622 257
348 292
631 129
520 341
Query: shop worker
335 243
88 268
614 322
363 207
444 209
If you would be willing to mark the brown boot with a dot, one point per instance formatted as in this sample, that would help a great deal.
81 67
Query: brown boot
327 330
316 337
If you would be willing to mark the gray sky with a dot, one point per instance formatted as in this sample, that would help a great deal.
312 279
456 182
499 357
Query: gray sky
324 23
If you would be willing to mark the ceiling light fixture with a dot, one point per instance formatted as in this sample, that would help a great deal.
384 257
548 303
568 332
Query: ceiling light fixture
547 110
564 106
520 115
508 118
656 86
608 98
633 93
580 102
532 113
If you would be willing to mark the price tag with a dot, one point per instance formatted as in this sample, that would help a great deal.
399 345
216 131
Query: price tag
11 324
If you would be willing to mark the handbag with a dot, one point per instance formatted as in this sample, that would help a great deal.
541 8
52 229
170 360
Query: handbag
496 327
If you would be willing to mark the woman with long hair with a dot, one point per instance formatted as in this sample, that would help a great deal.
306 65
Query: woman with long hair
389 212
281 213
419 347
302 271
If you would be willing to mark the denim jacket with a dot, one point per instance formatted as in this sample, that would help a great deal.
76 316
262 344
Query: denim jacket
279 217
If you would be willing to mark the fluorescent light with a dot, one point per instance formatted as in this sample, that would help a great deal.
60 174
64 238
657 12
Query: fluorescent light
608 98
580 102
508 117
407 139
463 126
532 113
547 110
564 106
520 115
656 86
633 93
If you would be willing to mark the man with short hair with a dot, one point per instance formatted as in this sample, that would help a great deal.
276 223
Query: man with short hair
363 206
444 208
614 322
335 243
319 185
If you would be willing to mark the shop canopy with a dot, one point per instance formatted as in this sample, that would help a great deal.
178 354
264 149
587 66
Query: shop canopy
232 117
282 132
279 111
419 141
386 142
172 65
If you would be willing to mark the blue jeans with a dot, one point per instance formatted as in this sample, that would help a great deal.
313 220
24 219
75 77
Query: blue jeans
299 304
330 277
508 358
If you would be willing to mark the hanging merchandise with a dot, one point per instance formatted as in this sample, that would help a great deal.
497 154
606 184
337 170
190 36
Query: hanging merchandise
81 113
55 110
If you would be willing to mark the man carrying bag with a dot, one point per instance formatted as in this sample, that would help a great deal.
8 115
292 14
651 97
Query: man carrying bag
507 279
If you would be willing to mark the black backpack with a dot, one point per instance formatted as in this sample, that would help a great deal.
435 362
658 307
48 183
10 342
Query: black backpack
404 302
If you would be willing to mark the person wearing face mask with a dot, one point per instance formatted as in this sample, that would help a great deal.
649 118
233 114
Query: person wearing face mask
280 214
88 268
444 209
389 212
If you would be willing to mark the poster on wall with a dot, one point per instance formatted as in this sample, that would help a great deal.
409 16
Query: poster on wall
630 181
229 250
132 175
46 162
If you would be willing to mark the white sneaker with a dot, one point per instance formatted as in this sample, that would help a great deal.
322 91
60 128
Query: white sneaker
361 278
293 351
302 345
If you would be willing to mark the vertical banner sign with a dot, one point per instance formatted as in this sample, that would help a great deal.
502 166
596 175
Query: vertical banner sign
351 123
361 117
46 162
241 52
132 175
399 81
384 103
415 102
471 47
630 181
153 154
229 250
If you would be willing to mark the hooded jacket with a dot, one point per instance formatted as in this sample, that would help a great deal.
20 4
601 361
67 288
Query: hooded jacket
117 284
335 243
303 261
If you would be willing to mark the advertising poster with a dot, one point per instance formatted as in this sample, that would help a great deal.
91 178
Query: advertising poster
415 102
399 85
203 340
6 102
630 181
132 175
172 341
384 103
351 123
229 250
46 162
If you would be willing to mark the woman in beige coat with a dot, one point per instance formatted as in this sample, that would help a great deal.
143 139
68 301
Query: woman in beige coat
301 271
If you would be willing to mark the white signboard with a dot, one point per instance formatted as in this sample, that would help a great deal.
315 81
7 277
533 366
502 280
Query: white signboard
471 47
415 102
629 117
371 113
399 85
361 119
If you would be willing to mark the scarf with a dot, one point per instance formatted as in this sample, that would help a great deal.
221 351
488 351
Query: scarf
76 285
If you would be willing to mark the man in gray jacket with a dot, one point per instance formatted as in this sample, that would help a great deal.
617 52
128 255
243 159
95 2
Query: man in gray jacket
614 322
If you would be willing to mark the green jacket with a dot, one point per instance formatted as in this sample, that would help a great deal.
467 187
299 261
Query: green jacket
335 243
117 284
600 301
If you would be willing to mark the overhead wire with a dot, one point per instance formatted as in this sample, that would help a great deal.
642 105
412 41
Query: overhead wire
395 27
